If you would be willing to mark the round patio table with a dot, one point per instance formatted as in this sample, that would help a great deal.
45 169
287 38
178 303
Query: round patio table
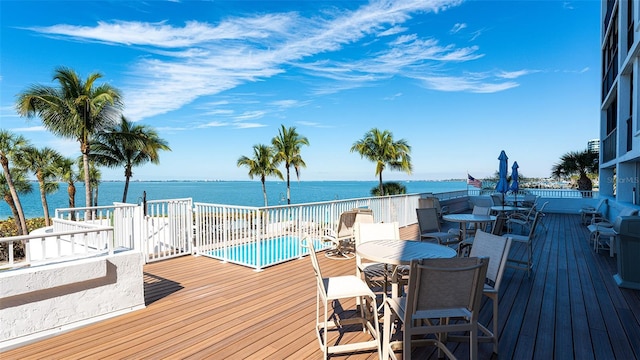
464 219
401 252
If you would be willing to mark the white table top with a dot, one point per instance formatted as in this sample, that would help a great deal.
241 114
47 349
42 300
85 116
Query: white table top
401 252
468 218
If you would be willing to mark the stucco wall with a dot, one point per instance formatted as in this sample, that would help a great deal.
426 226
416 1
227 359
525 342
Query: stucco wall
44 300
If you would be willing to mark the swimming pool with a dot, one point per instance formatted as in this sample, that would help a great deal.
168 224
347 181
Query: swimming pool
272 251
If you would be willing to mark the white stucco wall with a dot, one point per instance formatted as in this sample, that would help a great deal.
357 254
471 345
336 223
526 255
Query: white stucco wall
45 300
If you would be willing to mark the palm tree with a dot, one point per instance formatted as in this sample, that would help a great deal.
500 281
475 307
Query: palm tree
42 163
129 145
262 164
11 146
65 171
287 145
379 147
77 109
22 185
580 163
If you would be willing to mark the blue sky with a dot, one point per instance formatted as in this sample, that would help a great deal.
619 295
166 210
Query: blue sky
458 80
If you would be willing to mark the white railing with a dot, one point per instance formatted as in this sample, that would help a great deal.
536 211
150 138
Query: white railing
168 229
545 193
258 237
70 240
122 217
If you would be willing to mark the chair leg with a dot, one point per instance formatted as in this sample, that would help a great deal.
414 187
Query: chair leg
495 324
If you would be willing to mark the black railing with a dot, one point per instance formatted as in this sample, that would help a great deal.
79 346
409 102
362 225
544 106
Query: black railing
629 134
610 75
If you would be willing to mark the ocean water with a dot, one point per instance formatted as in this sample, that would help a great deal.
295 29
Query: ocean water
247 193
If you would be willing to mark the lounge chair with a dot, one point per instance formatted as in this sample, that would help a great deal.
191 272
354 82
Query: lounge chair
589 212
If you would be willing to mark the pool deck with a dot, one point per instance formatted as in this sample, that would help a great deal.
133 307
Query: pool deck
198 307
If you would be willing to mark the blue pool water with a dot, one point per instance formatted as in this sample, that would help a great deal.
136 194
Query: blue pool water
272 251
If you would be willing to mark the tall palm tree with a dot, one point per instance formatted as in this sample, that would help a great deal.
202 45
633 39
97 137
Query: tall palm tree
64 169
580 163
22 185
42 163
287 145
129 145
77 109
379 147
11 146
262 164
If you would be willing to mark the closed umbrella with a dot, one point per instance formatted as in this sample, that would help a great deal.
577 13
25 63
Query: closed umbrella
515 186
503 185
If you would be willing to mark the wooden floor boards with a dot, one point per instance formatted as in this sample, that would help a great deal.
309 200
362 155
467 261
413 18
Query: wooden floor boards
569 308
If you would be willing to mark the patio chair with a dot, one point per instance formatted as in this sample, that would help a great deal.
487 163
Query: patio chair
496 248
332 290
529 200
471 228
498 199
588 212
342 238
433 202
527 240
524 220
374 274
602 233
439 291
429 227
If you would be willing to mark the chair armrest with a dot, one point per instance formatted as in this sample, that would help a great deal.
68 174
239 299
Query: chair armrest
444 210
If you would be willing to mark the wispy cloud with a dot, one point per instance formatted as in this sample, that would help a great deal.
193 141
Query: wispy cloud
30 129
184 63
515 74
468 84
458 27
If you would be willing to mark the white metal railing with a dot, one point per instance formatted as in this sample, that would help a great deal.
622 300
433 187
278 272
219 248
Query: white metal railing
545 193
71 240
122 217
168 229
258 237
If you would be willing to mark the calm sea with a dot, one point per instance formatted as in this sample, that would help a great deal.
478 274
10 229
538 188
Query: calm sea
247 193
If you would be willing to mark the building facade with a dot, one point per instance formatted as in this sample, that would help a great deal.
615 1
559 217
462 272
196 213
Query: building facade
619 125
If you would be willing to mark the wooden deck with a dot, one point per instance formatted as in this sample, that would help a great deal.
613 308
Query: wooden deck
570 308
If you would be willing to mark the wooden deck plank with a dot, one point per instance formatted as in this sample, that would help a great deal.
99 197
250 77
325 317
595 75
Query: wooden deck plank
198 307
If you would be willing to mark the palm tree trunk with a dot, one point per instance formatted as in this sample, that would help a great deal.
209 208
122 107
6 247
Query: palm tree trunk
264 192
71 191
43 199
87 179
288 188
126 189
22 229
381 187
14 210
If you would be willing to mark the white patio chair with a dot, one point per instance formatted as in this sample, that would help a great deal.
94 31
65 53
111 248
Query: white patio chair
334 289
439 290
374 274
588 212
527 240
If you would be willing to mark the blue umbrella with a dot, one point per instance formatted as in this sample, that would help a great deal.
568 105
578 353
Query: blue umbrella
515 186
503 185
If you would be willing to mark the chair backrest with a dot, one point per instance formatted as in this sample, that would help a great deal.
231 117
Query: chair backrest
498 224
351 217
428 220
627 211
481 210
430 202
307 243
445 284
534 224
364 232
498 199
496 248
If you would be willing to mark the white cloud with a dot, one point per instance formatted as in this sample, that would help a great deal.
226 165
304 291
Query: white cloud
468 84
458 27
514 74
